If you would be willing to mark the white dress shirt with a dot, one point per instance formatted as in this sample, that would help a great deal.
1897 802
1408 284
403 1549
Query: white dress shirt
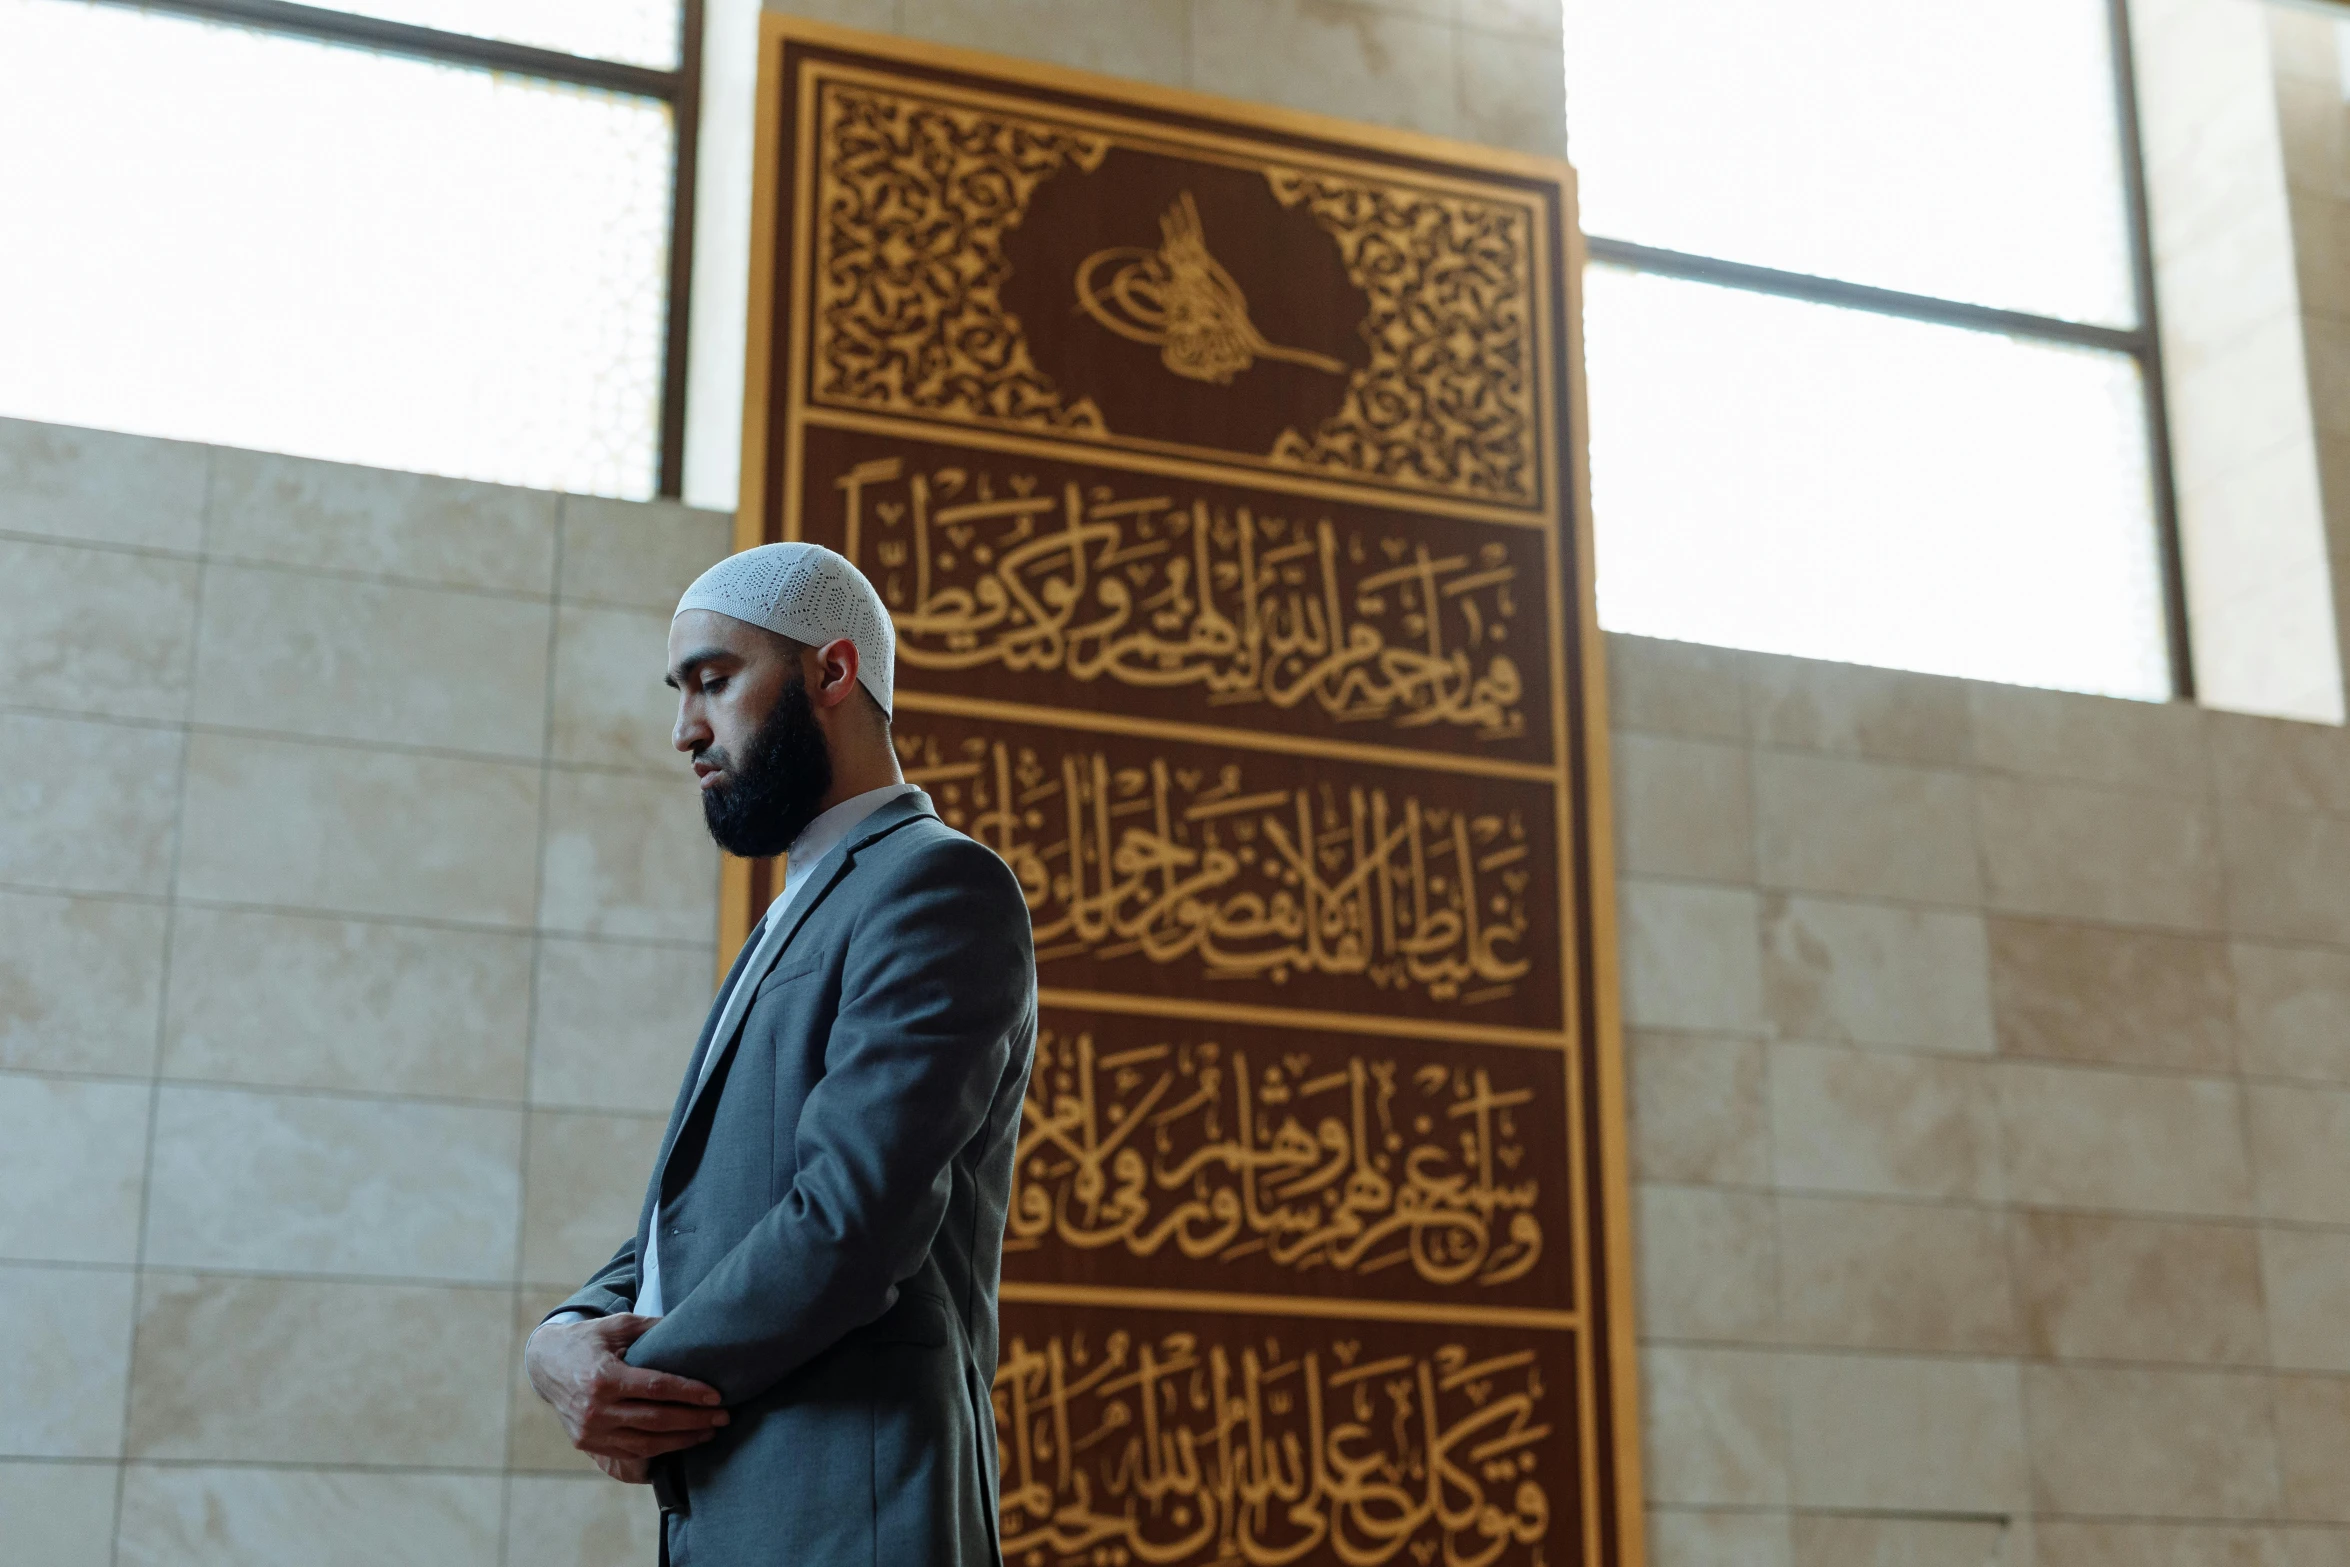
810 849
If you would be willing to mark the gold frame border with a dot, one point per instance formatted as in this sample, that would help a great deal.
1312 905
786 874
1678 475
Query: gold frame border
1570 493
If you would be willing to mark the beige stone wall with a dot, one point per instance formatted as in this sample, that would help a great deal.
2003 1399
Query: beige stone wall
353 919
1990 1063
1990 1053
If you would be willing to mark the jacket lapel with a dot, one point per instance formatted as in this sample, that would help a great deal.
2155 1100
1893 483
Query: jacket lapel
729 1026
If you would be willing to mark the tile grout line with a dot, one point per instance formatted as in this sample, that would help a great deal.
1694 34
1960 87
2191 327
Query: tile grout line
530 1030
179 817
2252 1174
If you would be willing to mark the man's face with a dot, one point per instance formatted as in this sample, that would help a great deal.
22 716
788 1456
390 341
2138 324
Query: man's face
744 716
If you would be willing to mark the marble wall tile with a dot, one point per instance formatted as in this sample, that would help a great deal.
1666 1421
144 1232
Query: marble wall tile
2098 854
1868 829
1700 1109
610 705
69 1339
1894 1275
2075 1137
81 981
1882 1125
59 1514
1831 1540
2103 1543
250 1370
2089 739
2120 997
1706 1265
1712 1426
1518 18
2305 1281
97 487
371 832
2313 1446
2241 403
2300 1151
1876 974
67 835
1679 1538
2150 1444
292 511
175 1517
643 554
297 1002
628 856
535 1440
2095 1287
309 1183
616 1023
1678 688
584 1190
1149 42
1690 958
95 631
2286 872
1889 714
1681 809
587 1522
2275 762
1351 60
71 1158
2301 45
300 654
1886 1433
1513 92
2312 1547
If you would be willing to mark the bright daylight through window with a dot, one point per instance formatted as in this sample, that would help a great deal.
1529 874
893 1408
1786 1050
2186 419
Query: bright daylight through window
1953 466
222 234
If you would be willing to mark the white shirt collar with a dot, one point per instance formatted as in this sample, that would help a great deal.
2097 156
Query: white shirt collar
822 835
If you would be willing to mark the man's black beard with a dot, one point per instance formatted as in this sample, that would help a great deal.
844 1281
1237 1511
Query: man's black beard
771 795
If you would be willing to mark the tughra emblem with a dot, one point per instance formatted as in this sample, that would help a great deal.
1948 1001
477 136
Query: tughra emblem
1181 299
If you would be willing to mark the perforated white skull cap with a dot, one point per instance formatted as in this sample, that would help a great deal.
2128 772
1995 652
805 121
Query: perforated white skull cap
809 594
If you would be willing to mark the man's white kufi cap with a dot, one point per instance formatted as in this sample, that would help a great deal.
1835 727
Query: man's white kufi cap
809 594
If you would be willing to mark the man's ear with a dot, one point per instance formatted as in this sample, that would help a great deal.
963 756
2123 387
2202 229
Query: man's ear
836 673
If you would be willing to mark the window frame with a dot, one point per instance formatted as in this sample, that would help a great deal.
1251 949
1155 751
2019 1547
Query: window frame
680 88
2142 343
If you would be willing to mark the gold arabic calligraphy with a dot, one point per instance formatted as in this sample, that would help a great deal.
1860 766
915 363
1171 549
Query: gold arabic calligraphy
1181 299
1180 864
1152 591
1177 1450
1187 1149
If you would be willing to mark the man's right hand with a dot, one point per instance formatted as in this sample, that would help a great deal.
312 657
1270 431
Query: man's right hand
618 1414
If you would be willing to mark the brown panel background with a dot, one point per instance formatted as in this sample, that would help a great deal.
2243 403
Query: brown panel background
1221 470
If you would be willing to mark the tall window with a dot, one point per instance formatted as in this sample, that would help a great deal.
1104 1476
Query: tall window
441 235
1870 336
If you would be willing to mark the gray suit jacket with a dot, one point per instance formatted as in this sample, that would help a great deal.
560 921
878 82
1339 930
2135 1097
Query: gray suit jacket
832 1206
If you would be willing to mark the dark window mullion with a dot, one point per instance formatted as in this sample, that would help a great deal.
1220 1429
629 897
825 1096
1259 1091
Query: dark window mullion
687 113
2158 452
1861 296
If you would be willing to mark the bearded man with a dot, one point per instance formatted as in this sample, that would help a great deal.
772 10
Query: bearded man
796 1346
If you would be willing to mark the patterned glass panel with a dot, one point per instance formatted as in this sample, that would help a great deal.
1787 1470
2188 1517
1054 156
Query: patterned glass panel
1792 478
1964 151
223 235
640 32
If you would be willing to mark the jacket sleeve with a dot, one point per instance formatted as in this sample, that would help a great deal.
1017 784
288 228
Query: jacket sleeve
937 977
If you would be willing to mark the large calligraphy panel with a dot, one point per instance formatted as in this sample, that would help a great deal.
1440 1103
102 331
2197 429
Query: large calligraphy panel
1221 472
